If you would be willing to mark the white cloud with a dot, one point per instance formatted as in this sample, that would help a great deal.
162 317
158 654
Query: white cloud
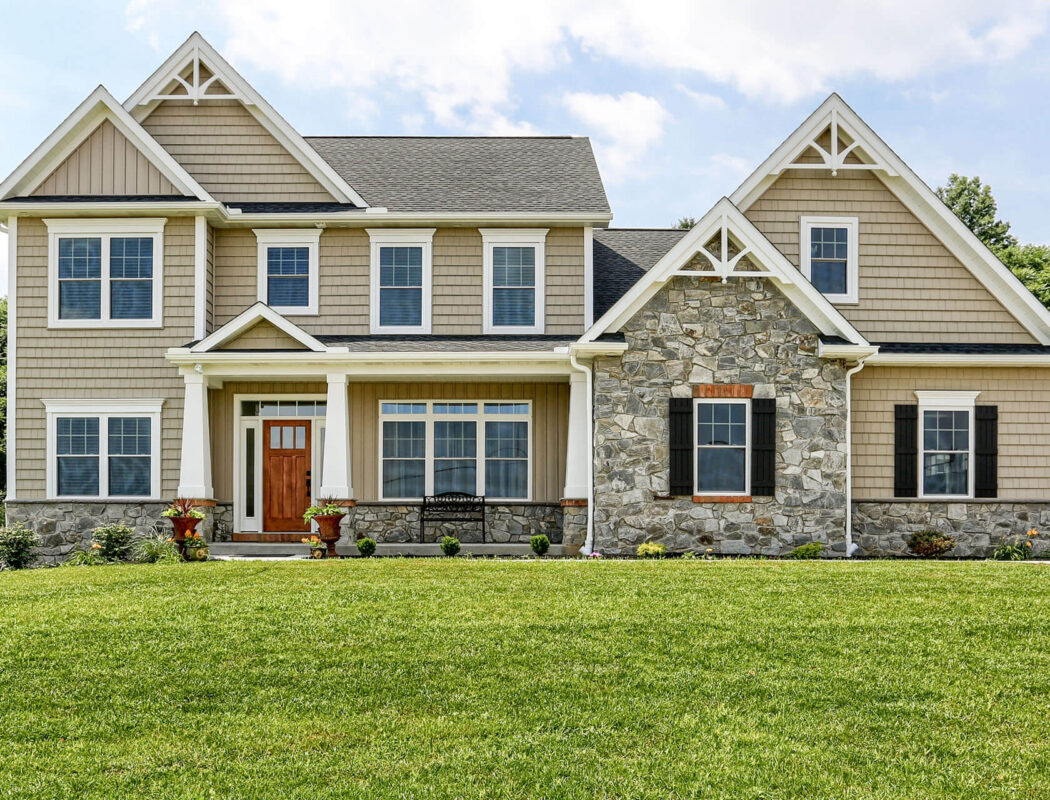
625 127
702 100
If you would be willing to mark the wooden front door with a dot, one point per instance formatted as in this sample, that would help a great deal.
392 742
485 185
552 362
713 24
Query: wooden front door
286 474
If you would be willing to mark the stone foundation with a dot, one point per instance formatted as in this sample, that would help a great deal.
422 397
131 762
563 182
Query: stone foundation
387 522
66 526
881 529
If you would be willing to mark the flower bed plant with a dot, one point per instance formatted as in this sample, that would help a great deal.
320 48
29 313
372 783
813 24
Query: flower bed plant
930 543
16 546
1016 548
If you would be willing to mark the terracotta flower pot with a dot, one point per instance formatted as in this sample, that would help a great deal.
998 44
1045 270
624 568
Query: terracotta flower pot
328 531
183 526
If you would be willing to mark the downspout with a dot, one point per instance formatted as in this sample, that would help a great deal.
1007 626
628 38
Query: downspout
851 548
588 544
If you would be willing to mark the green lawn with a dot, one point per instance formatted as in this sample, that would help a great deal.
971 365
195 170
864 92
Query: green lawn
562 679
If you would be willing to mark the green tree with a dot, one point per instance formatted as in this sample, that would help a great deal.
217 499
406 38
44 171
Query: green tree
973 203
1030 263
685 223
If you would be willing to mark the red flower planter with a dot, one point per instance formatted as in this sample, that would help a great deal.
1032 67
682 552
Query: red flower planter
328 531
183 526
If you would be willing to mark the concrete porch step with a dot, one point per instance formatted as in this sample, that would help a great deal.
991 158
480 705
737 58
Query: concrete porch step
298 550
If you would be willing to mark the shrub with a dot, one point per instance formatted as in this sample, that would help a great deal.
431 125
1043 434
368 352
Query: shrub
366 547
540 544
930 543
450 545
16 545
807 551
157 550
113 542
1016 548
84 558
651 550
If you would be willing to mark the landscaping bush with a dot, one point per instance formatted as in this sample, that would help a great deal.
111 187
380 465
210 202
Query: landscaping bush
651 550
806 551
84 558
366 547
450 545
16 545
113 542
540 544
1016 548
930 543
157 550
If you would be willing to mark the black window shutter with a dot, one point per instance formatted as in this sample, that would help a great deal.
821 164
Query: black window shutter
763 446
905 451
986 451
680 425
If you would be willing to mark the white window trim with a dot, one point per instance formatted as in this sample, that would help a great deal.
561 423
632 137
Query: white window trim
852 226
429 418
241 522
103 409
293 237
946 401
401 237
511 237
105 229
746 403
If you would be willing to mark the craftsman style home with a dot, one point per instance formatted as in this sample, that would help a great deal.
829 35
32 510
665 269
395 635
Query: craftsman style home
206 304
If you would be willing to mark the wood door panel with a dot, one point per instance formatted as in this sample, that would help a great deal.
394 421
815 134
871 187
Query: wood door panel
286 474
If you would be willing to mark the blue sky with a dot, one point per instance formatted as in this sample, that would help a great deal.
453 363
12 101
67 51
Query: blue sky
682 99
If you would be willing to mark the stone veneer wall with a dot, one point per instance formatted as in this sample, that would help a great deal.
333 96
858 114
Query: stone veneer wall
66 526
702 331
515 523
882 528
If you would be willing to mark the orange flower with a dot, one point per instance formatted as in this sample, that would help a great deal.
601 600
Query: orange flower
97 546
1028 544
1033 532
304 540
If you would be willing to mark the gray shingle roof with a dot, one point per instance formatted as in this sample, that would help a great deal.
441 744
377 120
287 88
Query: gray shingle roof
464 174
622 256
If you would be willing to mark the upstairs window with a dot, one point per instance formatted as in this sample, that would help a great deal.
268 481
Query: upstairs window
514 263
829 256
400 280
288 270
105 272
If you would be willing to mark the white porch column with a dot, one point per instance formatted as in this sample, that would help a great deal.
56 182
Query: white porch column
336 477
195 470
578 447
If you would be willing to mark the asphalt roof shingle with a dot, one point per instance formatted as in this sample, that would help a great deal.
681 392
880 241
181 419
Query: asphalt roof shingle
469 174
622 256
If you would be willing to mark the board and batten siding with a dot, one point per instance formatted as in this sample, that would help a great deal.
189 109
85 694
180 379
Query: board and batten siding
911 288
550 426
230 153
1023 399
97 363
457 281
106 163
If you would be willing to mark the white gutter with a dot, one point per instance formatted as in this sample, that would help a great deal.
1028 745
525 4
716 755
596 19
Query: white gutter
588 544
851 548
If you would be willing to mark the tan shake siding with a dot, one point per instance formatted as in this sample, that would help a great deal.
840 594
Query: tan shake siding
230 153
1023 399
911 287
457 280
106 163
98 363
550 425
263 336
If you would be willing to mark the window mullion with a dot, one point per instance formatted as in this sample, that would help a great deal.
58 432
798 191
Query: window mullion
103 455
104 311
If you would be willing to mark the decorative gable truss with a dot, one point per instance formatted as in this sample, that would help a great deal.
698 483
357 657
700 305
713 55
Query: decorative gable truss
253 316
87 119
726 245
834 138
196 72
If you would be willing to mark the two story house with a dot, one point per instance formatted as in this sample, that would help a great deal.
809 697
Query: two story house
206 304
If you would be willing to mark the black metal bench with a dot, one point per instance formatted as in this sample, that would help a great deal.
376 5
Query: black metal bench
452 507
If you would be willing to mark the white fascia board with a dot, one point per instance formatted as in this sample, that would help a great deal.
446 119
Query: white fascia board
794 285
918 198
98 106
591 349
259 312
847 352
139 106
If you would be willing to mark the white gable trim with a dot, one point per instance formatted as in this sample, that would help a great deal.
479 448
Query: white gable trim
100 105
725 218
915 195
196 50
260 312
